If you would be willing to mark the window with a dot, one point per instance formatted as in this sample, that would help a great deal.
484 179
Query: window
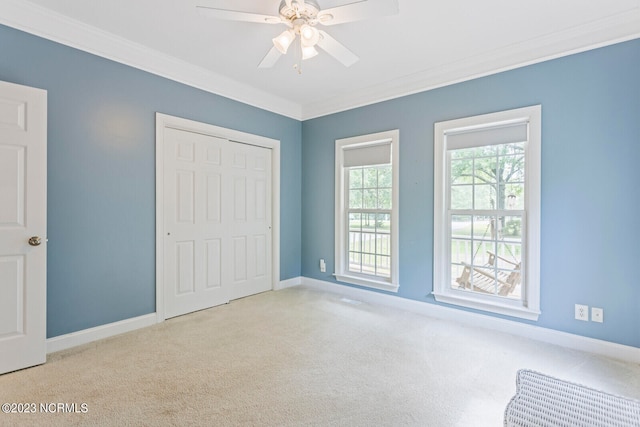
366 220
487 212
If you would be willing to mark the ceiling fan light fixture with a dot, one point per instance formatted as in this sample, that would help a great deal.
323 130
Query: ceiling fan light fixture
284 40
308 52
309 35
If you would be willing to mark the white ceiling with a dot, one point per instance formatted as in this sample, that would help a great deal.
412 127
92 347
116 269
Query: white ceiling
428 44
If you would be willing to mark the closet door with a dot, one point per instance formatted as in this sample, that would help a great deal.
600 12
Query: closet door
217 221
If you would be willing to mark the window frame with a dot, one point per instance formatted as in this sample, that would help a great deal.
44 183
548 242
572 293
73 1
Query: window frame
528 307
341 253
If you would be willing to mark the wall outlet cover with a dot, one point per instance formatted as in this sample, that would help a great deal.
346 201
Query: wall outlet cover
597 314
582 312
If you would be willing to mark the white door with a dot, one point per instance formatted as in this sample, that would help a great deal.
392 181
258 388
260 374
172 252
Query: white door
217 213
23 226
249 221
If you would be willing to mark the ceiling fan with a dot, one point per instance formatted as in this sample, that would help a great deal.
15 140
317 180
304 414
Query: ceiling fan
301 17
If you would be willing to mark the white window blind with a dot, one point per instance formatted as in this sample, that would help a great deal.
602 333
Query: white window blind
368 155
495 135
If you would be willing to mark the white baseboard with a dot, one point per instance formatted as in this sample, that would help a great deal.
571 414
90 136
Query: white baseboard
564 339
295 281
85 336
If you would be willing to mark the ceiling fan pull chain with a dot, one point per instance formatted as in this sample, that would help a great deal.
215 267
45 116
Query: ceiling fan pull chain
298 65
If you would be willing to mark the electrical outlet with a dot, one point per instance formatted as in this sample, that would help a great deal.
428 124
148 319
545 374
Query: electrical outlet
323 266
597 314
582 312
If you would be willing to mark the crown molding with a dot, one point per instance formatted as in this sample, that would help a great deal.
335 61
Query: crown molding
607 31
42 22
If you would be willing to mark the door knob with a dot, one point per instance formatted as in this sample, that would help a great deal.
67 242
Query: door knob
35 241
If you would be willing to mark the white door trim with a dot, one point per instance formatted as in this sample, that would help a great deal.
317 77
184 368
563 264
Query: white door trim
166 121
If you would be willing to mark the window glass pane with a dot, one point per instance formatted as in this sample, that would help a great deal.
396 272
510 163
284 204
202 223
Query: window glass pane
369 221
489 151
384 177
459 279
484 281
484 170
484 252
460 251
383 266
370 177
462 171
355 222
509 272
461 197
384 199
355 199
515 148
484 227
462 153
370 199
383 244
512 168
512 228
461 225
383 223
514 196
369 243
512 254
355 178
355 241
368 263
355 262
355 225
484 197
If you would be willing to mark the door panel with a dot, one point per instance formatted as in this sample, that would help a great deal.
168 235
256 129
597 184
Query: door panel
23 214
214 197
12 306
239 259
213 257
185 268
13 174
185 197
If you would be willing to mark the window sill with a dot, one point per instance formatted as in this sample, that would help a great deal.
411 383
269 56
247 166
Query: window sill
492 307
361 281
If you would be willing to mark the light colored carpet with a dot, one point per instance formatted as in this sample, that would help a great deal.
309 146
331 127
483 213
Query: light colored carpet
299 357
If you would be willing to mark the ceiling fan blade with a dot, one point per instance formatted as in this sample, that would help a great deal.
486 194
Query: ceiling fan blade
357 10
235 15
270 58
336 49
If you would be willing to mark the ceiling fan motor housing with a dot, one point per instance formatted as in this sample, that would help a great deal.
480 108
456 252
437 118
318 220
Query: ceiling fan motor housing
294 9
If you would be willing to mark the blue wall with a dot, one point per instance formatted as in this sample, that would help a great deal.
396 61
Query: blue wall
101 196
101 175
590 176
